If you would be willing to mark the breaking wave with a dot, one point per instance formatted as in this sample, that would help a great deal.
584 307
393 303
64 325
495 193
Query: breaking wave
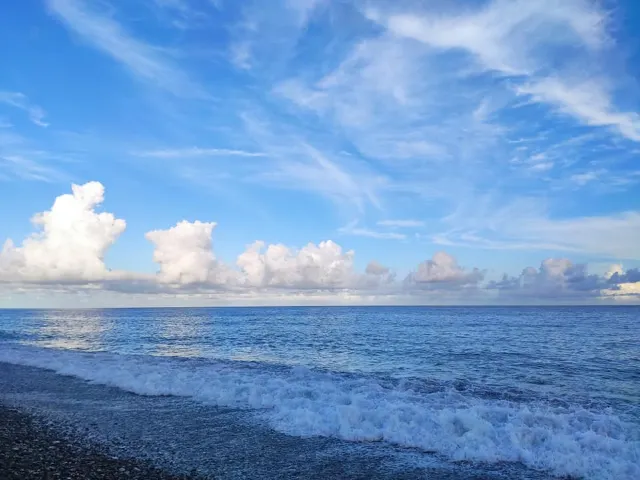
564 440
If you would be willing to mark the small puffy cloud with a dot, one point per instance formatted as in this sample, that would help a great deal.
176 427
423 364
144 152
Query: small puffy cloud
624 292
322 266
375 268
71 244
622 285
184 253
613 269
560 279
619 276
377 276
556 278
442 272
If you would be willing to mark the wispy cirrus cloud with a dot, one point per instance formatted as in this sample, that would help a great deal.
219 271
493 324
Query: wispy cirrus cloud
25 168
261 32
397 111
296 164
438 100
401 223
352 229
510 38
20 100
22 159
527 225
588 101
143 60
502 35
190 152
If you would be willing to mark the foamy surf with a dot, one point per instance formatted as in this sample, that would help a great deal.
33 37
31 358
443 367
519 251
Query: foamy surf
459 426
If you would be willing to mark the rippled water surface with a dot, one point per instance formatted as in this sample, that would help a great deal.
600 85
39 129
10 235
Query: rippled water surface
554 389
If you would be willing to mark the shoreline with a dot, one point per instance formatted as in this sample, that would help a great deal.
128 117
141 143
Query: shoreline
29 449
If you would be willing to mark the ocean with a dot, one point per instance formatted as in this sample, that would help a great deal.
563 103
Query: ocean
396 392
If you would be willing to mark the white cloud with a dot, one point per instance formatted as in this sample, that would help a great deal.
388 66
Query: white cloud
584 178
322 266
20 159
443 271
184 253
622 286
303 9
513 38
353 230
241 55
614 235
616 268
68 252
145 61
561 279
184 14
401 223
197 152
71 244
297 165
71 247
29 169
624 292
263 32
409 98
555 278
525 223
376 92
504 35
375 268
20 100
588 101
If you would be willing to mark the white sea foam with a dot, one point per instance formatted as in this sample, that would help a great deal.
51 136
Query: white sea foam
565 441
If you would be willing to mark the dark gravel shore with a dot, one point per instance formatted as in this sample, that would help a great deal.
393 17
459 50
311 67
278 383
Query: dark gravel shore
30 450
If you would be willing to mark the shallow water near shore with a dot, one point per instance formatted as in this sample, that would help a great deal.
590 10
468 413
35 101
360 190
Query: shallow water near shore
341 392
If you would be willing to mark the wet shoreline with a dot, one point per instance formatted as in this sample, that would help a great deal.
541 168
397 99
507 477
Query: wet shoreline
29 449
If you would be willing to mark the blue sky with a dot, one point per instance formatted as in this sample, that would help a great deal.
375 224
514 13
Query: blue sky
501 132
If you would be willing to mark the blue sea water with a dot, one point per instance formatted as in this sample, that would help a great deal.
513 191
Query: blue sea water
553 389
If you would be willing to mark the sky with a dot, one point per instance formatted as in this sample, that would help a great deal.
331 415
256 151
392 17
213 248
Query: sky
219 152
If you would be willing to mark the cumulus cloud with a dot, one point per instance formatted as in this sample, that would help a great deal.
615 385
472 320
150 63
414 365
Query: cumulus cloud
556 278
71 242
322 266
623 285
68 250
631 276
185 255
375 268
624 292
442 271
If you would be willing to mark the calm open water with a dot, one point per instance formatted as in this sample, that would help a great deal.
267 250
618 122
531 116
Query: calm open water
555 390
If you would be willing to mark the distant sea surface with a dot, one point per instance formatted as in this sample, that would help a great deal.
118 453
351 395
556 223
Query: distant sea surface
553 391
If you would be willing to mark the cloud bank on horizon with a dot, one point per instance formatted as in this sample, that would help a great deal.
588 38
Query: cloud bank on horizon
449 144
69 247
